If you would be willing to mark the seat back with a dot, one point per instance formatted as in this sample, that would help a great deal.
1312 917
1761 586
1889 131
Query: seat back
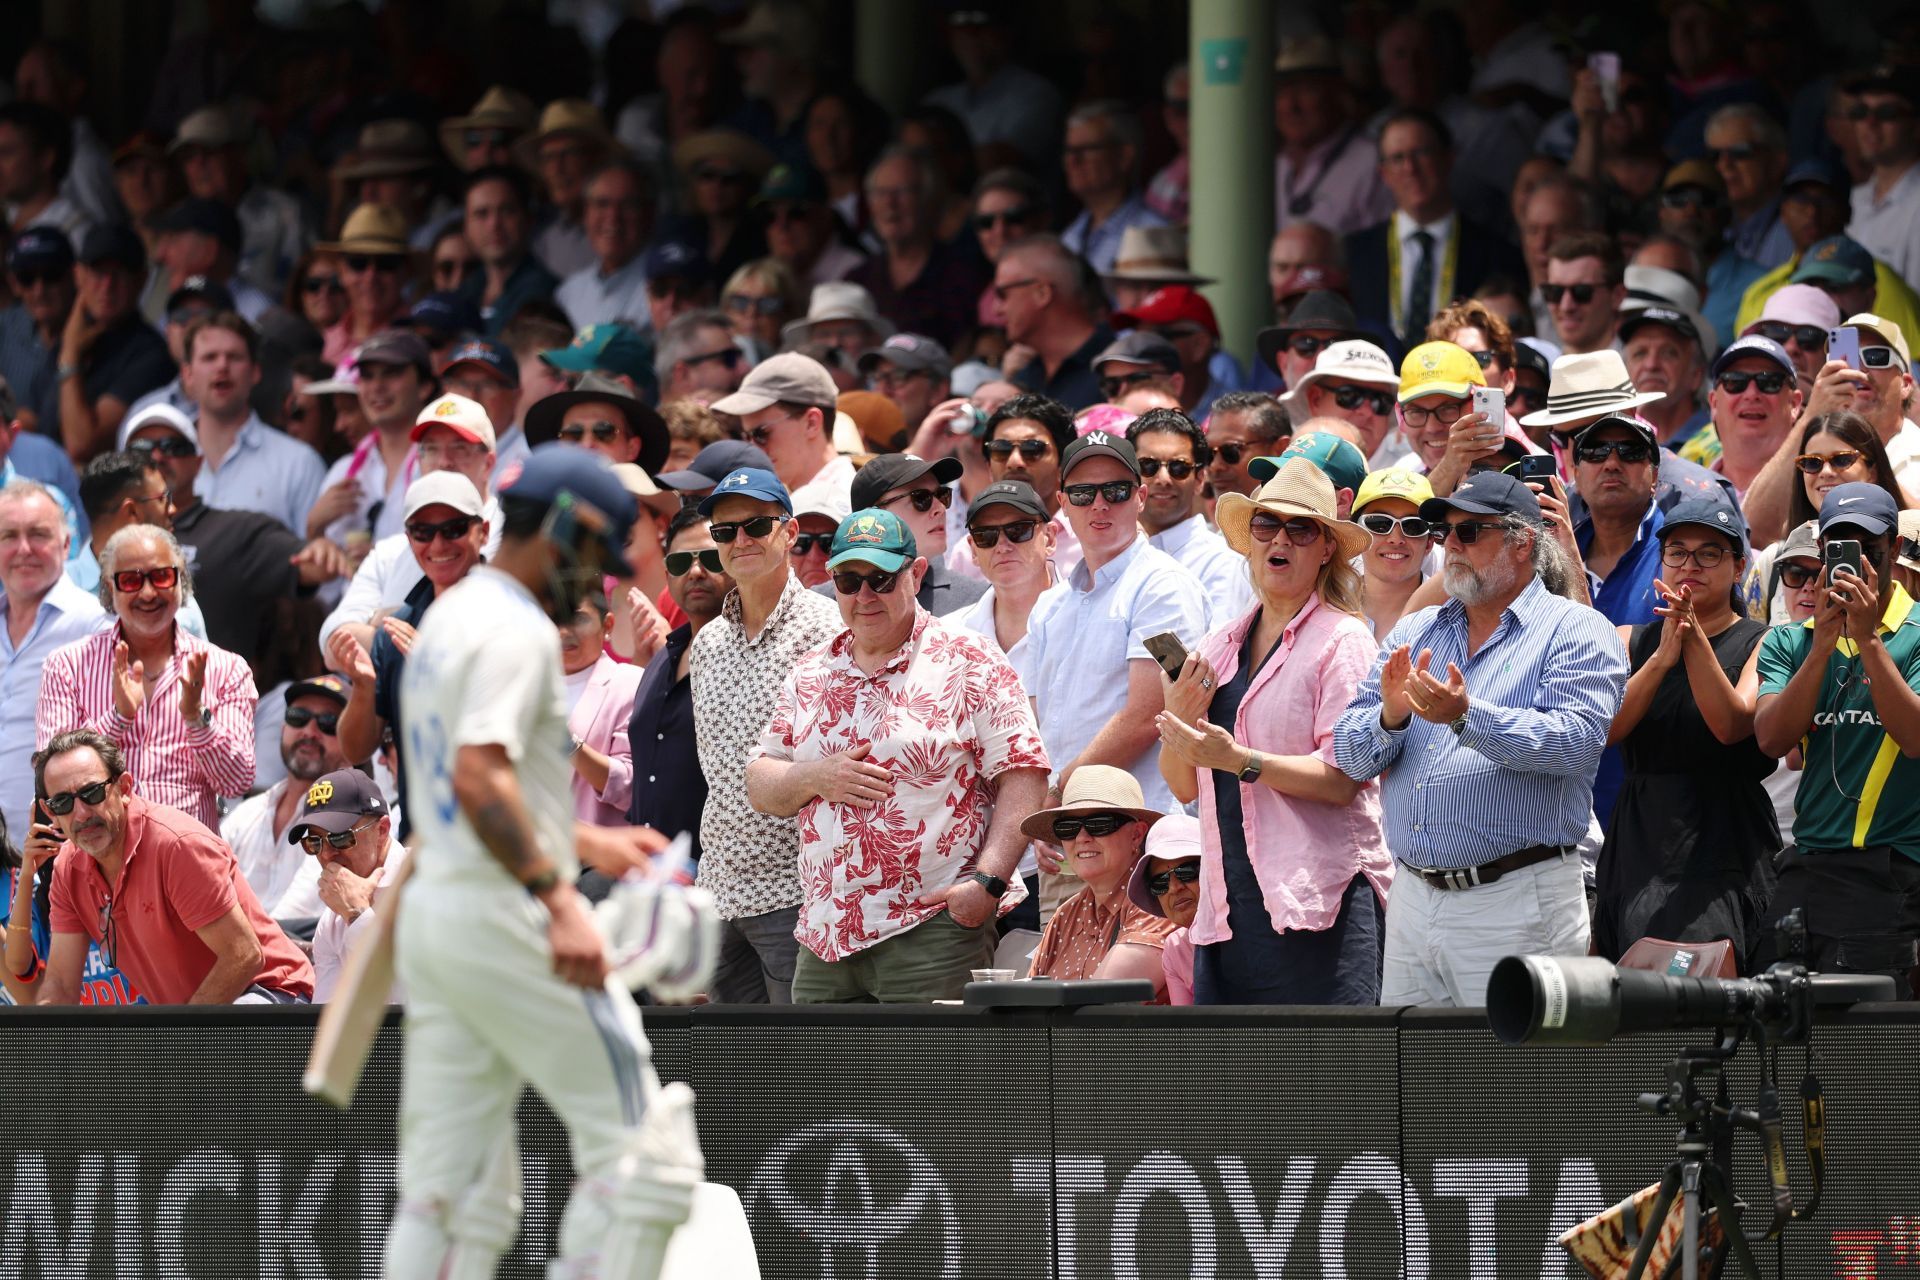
1682 959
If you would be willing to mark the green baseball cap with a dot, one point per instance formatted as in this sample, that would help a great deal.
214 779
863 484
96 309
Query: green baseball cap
874 537
614 348
1345 465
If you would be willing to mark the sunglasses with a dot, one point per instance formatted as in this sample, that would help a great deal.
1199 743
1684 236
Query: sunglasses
386 264
1582 293
301 717
1382 525
1795 576
1467 531
848 583
1810 337
1674 555
759 306
1734 382
1683 198
758 436
718 173
806 542
986 536
1185 873
1814 463
424 532
165 447
756 528
1351 398
1300 531
1232 453
680 563
1736 154
61 803
320 284
314 841
1446 415
1305 344
1115 386
1114 491
1099 824
1885 113
1527 398
1628 451
727 355
1017 216
1877 357
1177 468
604 432
922 499
130 580
28 279
1031 450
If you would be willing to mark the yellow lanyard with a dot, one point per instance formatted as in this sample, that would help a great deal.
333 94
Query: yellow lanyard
1449 264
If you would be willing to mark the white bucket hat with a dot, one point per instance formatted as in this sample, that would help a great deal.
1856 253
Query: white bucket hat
1352 360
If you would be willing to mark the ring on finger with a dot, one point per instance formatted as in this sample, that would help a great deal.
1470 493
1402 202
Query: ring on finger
1206 682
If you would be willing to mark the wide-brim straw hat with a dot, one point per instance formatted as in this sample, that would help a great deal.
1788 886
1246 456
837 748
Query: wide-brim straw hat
387 149
562 116
498 108
1298 488
1093 788
372 229
729 146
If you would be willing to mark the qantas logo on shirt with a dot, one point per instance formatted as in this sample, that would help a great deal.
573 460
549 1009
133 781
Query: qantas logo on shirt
1852 715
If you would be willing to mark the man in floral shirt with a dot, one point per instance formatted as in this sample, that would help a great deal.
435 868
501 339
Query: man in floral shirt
908 749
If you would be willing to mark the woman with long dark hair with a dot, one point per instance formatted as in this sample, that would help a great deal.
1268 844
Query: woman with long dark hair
1835 449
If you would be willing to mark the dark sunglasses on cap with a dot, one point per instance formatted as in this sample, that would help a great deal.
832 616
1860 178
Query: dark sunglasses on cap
301 717
1097 824
1177 468
1811 337
985 536
1300 531
848 583
165 447
1734 382
922 499
1018 216
1467 531
1382 524
1031 450
424 531
1582 293
61 803
757 527
680 563
1184 872
604 432
130 580
806 542
1628 451
385 263
1114 491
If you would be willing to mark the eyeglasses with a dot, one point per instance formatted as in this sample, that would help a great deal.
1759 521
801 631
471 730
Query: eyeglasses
1300 531
803 543
890 379
301 717
745 302
320 284
1382 525
1031 450
1000 291
165 447
1673 555
985 536
1017 216
1685 198
314 841
758 436
1745 151
1467 531
756 528
1098 824
1877 357
604 432
1177 468
922 499
1184 872
1735 382
61 802
728 355
1810 337
423 532
680 563
386 264
1795 576
455 268
1116 385
1814 463
130 580
1114 491
452 450
1582 293
848 583
1628 451
1884 113
1405 159
1231 453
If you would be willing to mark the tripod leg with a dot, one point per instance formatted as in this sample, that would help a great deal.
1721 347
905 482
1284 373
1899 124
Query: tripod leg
1720 1195
1662 1205
1690 1221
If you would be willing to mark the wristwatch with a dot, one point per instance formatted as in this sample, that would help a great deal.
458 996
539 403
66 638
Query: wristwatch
1251 770
1458 726
994 885
206 718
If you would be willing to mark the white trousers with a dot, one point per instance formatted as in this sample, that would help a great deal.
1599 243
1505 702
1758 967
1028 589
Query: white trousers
1443 943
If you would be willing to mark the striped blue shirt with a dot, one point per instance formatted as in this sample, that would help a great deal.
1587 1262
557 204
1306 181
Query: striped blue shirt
1542 691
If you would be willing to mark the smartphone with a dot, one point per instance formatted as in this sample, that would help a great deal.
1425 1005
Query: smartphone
1535 468
1491 404
1168 652
1843 552
1844 345
1606 69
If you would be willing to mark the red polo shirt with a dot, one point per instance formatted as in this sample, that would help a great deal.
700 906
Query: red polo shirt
178 877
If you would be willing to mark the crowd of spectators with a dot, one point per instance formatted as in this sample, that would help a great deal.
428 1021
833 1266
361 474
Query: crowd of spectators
1542 578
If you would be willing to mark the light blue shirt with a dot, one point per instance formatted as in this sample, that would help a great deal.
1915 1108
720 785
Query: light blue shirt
266 471
1206 555
1082 634
67 614
589 297
173 395
1101 245
1542 692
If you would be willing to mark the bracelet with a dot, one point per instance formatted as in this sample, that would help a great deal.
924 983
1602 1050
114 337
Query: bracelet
13 926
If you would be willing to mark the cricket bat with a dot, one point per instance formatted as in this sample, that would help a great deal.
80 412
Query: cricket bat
351 1020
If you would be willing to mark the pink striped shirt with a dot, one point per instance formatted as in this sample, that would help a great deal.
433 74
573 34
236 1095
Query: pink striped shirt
181 765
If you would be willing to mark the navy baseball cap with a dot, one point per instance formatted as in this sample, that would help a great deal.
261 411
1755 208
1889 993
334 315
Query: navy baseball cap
1486 493
1826 173
672 258
336 802
1639 426
1755 345
487 354
207 217
114 242
447 313
749 482
40 249
200 289
557 474
1835 260
714 463
1711 511
1859 505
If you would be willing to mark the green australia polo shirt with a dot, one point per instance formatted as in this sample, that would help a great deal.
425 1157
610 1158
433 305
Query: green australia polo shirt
1856 788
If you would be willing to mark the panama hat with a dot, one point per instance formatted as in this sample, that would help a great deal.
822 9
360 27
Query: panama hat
574 116
498 108
389 148
1093 788
1298 488
1153 255
1589 385
376 229
729 147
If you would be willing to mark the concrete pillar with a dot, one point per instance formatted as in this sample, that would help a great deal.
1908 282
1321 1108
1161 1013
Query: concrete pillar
887 36
1231 113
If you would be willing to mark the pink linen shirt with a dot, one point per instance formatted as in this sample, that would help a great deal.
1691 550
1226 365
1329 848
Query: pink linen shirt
1304 853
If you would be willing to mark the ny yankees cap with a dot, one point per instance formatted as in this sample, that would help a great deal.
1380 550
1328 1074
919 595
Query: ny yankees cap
1098 444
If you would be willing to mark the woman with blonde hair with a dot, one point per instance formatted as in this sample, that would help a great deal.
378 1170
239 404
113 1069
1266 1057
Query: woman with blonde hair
759 298
1294 867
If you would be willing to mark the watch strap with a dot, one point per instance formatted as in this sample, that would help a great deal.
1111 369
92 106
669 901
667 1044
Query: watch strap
1252 769
994 885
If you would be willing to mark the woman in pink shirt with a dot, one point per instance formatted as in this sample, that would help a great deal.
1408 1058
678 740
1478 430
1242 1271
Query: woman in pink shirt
1294 868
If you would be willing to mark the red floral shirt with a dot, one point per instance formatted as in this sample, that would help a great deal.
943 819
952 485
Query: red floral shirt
946 716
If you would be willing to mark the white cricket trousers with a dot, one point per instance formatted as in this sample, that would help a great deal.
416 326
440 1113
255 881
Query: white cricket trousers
1443 943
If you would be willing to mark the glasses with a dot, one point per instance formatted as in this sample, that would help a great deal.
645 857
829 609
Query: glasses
985 536
1796 576
756 528
1687 198
1081 150
130 581
61 803
1745 151
1406 159
1884 113
728 355
1000 291
1467 531
456 268
320 284
1099 824
1673 555
1814 463
1734 382
301 717
848 583
1810 337
1300 531
1177 468
314 841
1446 415
32 279
1382 525
1231 453
385 264
451 450
680 563
1116 385
604 432
1582 293
165 447
1628 451
1305 344
758 436
746 302
1877 357
1114 491
922 499
718 173
804 543
1185 873
424 532
1030 450
1482 358
1017 216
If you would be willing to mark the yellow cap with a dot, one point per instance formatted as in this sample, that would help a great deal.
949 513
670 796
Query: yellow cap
1439 368
1410 485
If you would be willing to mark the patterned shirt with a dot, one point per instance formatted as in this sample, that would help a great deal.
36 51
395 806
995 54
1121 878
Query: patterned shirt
1084 929
749 860
946 716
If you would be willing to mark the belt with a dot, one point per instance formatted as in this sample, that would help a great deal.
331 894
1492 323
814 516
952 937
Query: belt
1488 872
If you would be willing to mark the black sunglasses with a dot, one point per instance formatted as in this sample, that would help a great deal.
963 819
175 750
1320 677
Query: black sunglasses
61 802
1582 293
1795 576
1031 450
301 717
1014 217
1885 112
1467 531
922 499
680 563
848 583
1305 344
320 284
28 279
1683 198
1528 398
759 306
805 542
1114 491
384 263
1628 451
1734 382
314 841
1232 453
1378 522
424 532
1811 337
1184 872
729 356
758 527
604 432
986 535
1351 397
1300 531
1099 824
1116 385
1177 468
165 447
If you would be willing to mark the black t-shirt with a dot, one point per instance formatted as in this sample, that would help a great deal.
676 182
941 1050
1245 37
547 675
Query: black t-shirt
127 361
241 562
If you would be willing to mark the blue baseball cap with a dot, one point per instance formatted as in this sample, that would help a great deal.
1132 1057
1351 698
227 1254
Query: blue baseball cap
673 258
448 313
1486 493
1826 173
873 536
1713 511
1835 260
713 463
489 355
554 474
749 482
1755 345
1859 505
40 249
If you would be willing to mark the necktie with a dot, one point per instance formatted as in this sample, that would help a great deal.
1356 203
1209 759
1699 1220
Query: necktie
1420 303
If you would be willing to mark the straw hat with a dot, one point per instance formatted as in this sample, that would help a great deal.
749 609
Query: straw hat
1154 255
574 116
1589 385
1093 788
1298 488
498 108
728 146
372 229
387 149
